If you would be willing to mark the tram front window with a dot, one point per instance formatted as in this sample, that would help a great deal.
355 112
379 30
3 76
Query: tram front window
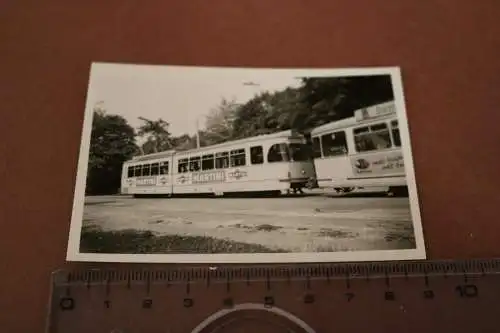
299 152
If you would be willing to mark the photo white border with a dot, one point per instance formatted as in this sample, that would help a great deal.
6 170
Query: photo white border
73 249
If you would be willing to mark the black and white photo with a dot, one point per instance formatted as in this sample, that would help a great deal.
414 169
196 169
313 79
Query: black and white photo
194 164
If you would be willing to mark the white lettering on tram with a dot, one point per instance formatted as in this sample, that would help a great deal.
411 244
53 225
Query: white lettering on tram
208 177
376 111
381 165
238 174
145 181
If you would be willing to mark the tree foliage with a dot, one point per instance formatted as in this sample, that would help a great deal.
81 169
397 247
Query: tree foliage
329 99
267 113
157 136
219 123
112 142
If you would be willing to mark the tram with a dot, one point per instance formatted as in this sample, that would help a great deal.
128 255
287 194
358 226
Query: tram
363 151
278 162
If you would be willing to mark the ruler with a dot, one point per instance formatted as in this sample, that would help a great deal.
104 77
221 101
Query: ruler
409 296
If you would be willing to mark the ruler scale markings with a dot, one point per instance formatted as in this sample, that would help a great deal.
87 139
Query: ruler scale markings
248 278
268 281
228 283
464 283
327 274
147 276
347 281
188 286
209 278
405 271
107 292
68 283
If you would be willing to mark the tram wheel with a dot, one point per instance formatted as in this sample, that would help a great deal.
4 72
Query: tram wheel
283 192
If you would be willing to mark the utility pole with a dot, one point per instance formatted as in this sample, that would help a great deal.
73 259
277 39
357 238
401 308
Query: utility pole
197 134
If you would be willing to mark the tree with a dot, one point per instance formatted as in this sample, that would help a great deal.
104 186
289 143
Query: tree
219 124
251 117
156 134
328 99
282 108
183 142
112 142
267 113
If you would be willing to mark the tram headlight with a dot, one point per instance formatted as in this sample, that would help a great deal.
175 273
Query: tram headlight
303 171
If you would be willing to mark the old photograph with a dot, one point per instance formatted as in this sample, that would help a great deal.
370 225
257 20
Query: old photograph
186 164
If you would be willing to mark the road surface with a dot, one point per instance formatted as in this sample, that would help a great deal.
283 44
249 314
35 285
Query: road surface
296 224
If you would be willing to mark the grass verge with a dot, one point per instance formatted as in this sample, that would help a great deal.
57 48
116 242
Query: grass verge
95 240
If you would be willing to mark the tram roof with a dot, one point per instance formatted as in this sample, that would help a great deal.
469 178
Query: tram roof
232 143
363 115
346 122
257 138
152 156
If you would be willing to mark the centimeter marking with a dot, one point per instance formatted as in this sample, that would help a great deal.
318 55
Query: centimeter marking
470 288
277 273
63 280
462 290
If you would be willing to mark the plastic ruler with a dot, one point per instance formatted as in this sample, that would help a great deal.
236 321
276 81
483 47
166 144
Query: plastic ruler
428 296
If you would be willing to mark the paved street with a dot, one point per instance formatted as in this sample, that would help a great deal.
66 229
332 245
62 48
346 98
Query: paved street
299 224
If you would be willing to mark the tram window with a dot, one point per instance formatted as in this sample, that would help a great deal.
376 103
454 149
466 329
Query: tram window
146 168
238 158
164 168
182 165
194 164
299 152
222 160
207 162
334 144
256 155
154 169
395 133
130 172
316 143
278 153
137 171
375 137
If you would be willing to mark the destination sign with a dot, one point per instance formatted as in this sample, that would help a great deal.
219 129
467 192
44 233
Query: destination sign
375 111
208 177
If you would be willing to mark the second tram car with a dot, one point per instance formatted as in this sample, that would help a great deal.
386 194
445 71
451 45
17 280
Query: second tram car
362 151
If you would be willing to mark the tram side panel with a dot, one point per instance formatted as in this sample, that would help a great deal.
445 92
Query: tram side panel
333 171
380 168
124 187
331 158
362 151
147 178
231 172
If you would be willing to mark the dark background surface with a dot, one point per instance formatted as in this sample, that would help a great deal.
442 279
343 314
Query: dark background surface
447 50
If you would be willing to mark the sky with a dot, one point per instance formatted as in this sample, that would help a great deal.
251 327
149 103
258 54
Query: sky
179 95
